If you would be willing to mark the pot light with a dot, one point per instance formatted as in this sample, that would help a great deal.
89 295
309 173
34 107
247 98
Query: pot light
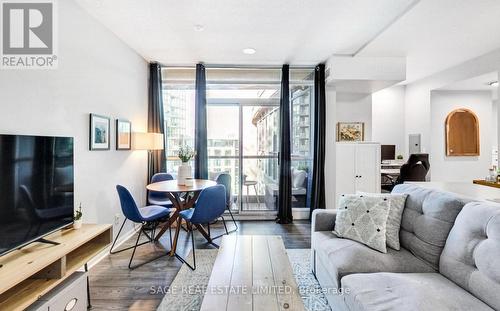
249 51
199 27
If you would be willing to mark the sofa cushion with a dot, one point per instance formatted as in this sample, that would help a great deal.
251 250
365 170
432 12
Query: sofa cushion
406 291
471 257
427 220
343 257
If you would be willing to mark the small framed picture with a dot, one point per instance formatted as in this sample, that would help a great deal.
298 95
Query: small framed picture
123 134
350 131
99 135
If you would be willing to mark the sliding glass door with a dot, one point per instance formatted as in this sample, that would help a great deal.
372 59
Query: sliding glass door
243 131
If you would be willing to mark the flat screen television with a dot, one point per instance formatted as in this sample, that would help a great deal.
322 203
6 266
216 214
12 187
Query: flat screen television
36 188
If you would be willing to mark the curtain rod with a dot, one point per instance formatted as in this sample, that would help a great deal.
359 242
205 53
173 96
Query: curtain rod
226 66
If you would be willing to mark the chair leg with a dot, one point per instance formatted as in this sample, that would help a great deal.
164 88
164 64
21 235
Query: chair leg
111 251
257 195
192 267
220 235
232 217
117 236
135 247
130 266
225 226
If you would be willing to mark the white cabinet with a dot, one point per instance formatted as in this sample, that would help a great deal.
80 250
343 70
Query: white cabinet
357 167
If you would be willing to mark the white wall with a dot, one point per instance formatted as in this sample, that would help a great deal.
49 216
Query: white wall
463 169
355 108
418 94
97 73
388 117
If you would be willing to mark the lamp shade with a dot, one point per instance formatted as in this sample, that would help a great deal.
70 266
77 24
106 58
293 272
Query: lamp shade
147 141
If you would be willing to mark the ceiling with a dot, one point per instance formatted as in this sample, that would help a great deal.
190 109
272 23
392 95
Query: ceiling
294 31
438 34
479 83
433 34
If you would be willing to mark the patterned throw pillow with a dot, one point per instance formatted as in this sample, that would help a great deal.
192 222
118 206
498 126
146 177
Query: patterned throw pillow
363 219
396 207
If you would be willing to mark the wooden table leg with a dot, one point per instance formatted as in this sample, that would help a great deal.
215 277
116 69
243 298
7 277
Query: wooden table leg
177 204
204 233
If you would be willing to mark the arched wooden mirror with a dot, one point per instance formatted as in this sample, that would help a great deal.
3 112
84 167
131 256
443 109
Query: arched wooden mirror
462 133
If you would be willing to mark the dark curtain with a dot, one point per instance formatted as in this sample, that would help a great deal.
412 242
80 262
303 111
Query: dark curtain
200 127
285 182
318 176
157 158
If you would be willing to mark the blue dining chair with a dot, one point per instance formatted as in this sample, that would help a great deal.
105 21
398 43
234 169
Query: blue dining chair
149 217
159 198
225 179
210 205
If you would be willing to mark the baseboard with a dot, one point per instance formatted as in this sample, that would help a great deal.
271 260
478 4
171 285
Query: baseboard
124 237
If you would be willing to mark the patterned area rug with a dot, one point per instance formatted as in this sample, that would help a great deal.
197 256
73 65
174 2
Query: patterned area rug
186 291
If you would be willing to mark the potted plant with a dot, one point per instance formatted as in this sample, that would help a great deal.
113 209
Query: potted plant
77 218
186 153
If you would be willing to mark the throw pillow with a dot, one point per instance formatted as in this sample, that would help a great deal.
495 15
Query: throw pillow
396 207
363 219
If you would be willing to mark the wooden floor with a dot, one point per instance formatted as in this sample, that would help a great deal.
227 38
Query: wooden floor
115 287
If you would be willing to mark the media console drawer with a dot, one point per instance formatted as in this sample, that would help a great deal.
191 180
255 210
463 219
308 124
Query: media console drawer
71 295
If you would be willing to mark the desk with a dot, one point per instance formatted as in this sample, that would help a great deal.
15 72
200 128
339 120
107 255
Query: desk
174 191
390 171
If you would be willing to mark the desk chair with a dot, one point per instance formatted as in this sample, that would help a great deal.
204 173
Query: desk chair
415 169
149 217
210 206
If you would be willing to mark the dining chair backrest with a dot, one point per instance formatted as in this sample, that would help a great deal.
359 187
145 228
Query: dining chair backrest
159 177
211 205
225 179
128 205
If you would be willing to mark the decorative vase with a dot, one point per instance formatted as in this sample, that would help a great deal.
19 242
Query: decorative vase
183 172
77 224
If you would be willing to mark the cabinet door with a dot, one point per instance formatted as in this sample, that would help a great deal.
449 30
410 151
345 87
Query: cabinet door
368 168
345 168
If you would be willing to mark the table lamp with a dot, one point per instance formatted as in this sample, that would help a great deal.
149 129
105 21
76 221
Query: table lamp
149 142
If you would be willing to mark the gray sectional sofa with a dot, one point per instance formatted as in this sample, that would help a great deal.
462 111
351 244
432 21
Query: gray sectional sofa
449 258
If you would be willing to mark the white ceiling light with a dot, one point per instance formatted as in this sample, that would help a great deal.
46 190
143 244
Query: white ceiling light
249 51
199 27
493 83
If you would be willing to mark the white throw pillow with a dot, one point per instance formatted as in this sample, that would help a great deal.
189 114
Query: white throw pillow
396 207
298 177
363 219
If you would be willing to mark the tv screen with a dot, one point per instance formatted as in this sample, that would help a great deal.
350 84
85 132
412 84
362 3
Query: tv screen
36 188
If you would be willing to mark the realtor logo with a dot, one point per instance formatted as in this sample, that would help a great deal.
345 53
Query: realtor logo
28 35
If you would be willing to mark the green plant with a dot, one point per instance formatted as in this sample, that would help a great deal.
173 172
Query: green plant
303 167
78 213
186 153
399 157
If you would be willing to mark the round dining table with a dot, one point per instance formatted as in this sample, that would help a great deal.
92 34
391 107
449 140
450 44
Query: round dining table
182 198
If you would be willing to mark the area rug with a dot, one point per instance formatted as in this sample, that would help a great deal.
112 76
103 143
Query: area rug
186 291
